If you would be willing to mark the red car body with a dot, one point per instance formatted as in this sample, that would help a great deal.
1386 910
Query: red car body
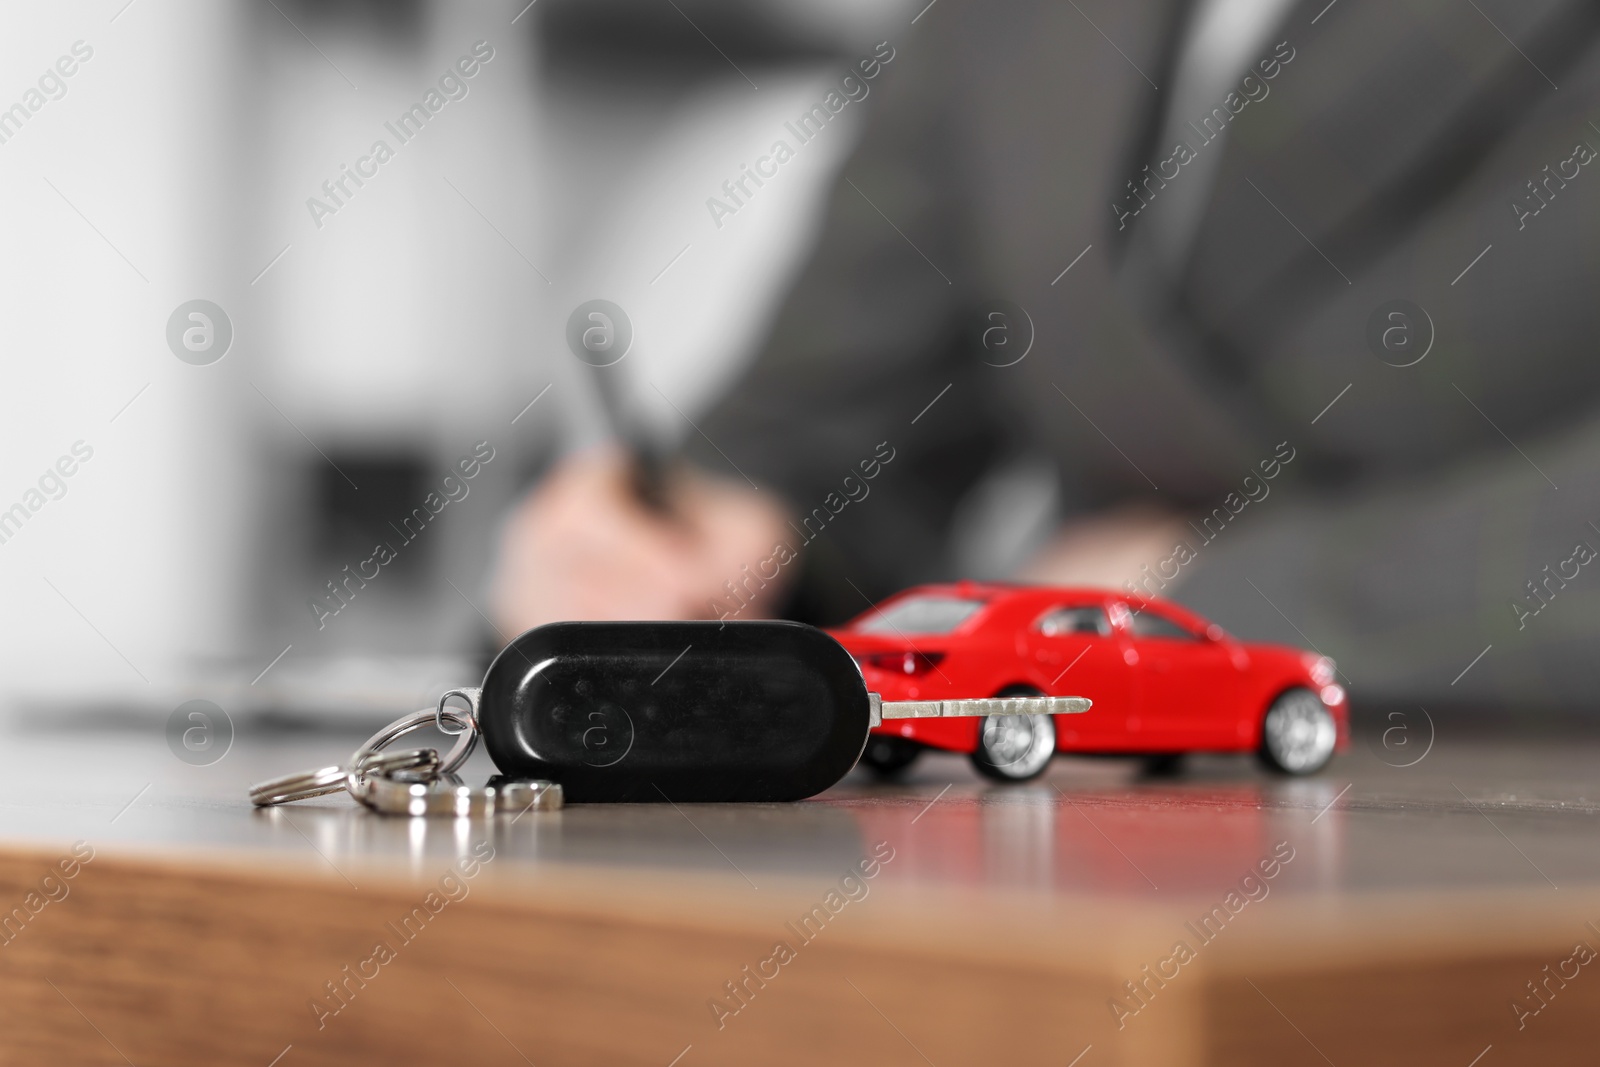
1163 680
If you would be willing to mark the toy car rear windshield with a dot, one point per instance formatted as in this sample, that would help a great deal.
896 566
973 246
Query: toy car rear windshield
921 615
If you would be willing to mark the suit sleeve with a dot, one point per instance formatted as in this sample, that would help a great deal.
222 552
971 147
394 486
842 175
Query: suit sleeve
867 340
1407 586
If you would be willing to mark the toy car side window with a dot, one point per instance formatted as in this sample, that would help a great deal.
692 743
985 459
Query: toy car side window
1148 624
1087 620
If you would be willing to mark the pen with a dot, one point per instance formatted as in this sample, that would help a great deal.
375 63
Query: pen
600 334
648 462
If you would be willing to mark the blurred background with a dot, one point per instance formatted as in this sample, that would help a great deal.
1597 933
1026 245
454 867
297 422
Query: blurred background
372 347
242 344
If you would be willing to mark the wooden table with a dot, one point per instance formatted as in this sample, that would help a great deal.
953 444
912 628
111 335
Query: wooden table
1407 910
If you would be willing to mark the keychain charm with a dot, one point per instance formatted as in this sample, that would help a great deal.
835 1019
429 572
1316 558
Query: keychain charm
658 711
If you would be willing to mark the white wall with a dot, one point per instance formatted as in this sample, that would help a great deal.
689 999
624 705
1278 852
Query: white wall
190 142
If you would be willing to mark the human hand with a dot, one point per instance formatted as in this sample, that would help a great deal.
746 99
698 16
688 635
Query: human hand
1107 548
582 546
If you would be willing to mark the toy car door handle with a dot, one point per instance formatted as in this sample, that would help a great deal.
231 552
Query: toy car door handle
948 709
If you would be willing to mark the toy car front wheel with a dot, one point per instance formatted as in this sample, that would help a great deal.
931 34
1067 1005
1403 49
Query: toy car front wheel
1298 735
887 757
1015 748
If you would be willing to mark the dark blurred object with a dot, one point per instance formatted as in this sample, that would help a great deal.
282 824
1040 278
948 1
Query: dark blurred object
348 521
1197 311
396 22
642 39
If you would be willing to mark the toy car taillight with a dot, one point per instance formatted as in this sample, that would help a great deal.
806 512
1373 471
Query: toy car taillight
905 662
1322 669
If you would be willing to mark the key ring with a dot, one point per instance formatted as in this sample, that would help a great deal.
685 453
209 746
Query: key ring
303 785
358 776
472 694
370 760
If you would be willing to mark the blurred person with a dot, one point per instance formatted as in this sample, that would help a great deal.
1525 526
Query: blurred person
1194 219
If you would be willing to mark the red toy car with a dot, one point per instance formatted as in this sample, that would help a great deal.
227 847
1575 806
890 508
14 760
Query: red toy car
1163 680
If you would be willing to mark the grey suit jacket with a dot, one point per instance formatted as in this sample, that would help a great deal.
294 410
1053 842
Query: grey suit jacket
1377 152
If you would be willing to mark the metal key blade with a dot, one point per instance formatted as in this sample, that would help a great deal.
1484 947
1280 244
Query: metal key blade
947 709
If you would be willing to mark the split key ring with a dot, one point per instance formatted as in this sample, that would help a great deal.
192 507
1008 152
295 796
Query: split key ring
370 759
359 775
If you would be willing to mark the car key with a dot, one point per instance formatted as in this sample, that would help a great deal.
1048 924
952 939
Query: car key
692 711
688 711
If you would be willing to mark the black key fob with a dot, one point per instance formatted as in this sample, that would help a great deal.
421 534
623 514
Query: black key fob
680 711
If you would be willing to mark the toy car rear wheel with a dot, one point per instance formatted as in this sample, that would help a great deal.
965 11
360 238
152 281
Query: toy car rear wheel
1015 748
1298 734
888 757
